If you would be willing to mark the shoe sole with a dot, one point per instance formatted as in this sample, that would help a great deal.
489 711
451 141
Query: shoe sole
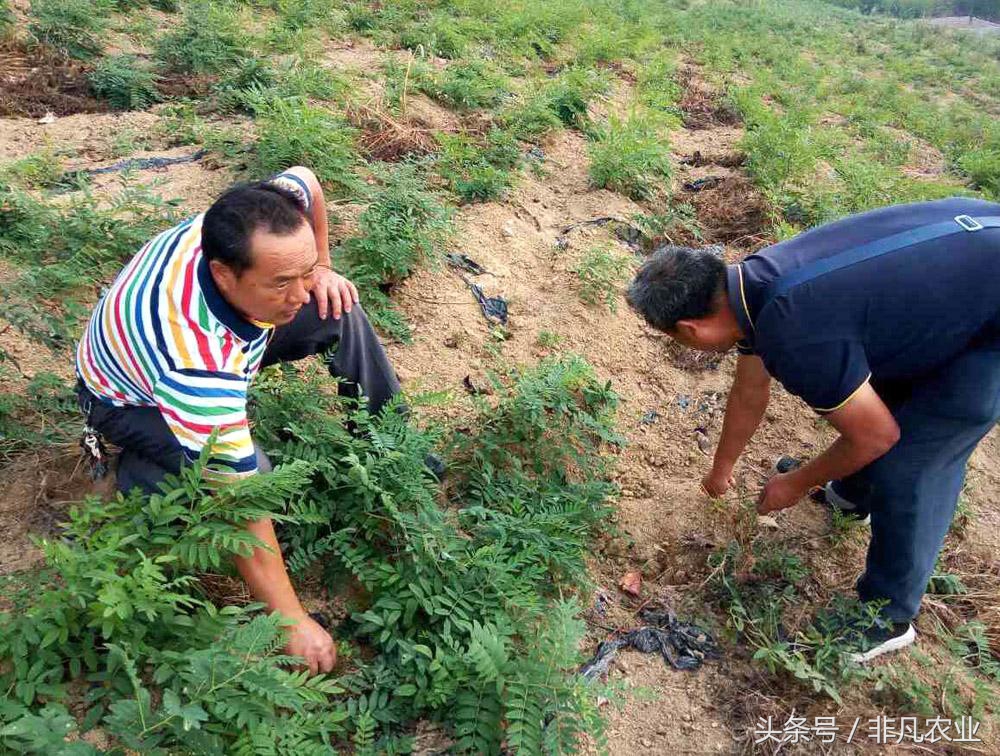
893 644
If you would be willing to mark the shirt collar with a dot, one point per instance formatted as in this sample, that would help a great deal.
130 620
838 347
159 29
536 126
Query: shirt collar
221 309
736 292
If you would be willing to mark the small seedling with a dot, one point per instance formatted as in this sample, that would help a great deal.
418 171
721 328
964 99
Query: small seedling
601 272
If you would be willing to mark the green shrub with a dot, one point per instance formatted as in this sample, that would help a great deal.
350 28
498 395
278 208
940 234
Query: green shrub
569 95
464 616
292 132
631 157
478 172
361 17
259 82
468 85
68 246
302 14
983 167
439 36
73 27
122 81
43 414
212 39
601 273
38 171
6 18
404 225
531 119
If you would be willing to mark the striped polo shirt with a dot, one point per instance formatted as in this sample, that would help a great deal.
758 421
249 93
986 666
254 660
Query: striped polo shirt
163 336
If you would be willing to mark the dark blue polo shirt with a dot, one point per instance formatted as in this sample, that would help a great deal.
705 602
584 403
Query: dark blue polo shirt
891 318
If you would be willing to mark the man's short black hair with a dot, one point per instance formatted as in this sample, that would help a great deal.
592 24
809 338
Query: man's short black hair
677 283
239 212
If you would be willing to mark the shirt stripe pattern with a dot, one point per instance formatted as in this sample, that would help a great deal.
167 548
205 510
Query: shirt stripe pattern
163 336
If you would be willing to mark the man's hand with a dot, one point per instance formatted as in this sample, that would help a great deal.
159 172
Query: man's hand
310 641
334 293
716 482
780 492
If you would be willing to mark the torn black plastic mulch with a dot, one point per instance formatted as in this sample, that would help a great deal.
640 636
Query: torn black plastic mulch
683 645
464 262
494 308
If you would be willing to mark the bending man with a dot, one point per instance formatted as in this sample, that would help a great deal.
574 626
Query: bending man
888 324
173 345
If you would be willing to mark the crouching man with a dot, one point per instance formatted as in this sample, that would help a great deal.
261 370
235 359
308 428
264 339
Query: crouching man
173 345
888 324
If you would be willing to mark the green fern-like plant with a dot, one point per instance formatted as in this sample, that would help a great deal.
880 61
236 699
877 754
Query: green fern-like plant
124 83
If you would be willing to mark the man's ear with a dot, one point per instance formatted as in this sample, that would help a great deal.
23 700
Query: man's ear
224 276
688 329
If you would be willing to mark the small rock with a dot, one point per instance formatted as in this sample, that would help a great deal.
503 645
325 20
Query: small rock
703 443
507 230
48 118
646 743
766 521
451 342
622 665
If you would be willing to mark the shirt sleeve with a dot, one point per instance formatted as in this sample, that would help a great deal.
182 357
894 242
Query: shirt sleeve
296 185
196 403
826 375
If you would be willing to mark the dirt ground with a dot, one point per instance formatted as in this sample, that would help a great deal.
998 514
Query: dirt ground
671 400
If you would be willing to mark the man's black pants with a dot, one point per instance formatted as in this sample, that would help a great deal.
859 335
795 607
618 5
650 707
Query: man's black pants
149 450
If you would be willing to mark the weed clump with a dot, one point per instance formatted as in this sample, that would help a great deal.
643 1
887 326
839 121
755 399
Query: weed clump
122 81
73 27
630 157
405 225
468 86
983 167
211 39
601 273
293 132
478 172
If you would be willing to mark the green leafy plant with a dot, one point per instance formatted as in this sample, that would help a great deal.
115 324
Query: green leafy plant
467 85
6 19
983 167
631 157
404 226
478 172
40 170
211 39
569 95
73 27
124 83
601 272
293 132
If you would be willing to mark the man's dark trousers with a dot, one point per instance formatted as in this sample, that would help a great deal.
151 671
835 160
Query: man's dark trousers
913 490
149 449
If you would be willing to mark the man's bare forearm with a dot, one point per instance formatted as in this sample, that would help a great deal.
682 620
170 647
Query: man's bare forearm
265 573
842 458
745 409
867 431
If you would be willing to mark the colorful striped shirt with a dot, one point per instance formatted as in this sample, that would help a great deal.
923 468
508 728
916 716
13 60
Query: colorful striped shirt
163 336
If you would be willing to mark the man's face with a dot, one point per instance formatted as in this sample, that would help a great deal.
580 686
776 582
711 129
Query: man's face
278 282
